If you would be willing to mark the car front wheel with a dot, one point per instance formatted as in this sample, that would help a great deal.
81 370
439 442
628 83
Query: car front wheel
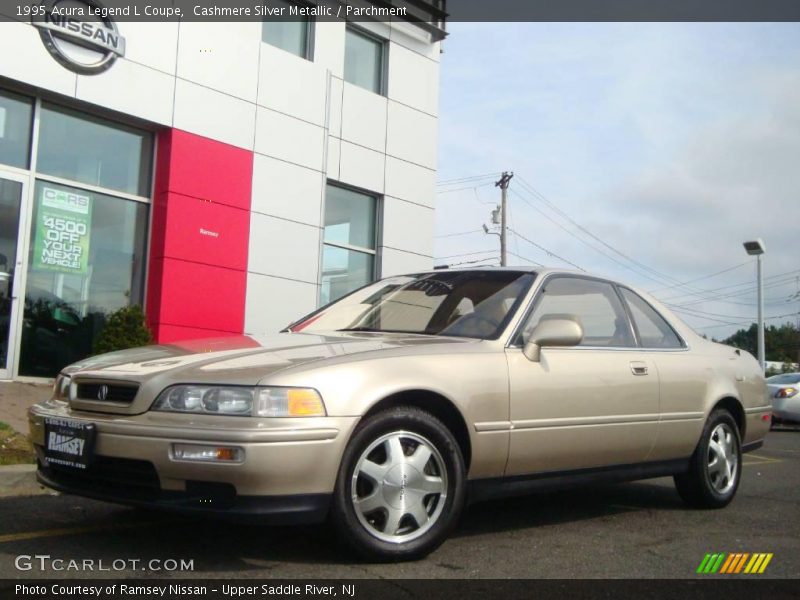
400 487
716 465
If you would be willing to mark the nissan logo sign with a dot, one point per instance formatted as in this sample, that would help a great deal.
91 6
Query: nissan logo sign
79 35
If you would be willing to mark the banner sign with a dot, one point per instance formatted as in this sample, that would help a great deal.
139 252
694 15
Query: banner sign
62 234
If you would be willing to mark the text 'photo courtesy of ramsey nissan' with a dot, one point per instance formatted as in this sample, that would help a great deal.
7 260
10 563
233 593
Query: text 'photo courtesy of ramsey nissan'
399 299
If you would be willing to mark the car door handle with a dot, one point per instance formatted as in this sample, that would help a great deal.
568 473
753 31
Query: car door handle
638 368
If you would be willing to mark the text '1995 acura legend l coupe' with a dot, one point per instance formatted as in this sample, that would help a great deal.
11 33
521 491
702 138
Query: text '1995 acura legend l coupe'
390 408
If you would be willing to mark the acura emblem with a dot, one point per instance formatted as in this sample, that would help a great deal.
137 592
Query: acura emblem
102 393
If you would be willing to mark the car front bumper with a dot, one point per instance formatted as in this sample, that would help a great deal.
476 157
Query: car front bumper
287 473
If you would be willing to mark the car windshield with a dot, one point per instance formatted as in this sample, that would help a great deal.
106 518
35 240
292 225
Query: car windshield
476 304
785 378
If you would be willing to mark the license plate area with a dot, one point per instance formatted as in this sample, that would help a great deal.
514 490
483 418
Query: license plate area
69 443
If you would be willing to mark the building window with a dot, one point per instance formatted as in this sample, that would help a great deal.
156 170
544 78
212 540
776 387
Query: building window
93 151
292 33
350 239
16 116
364 60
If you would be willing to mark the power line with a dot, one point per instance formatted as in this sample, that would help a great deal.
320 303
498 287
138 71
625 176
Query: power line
583 241
736 294
734 267
530 260
456 180
556 209
447 235
546 251
794 314
749 284
472 262
469 187
700 313
673 283
465 254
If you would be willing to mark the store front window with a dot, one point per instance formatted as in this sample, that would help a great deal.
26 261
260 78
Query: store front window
87 259
74 215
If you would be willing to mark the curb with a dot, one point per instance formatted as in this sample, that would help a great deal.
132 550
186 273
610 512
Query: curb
20 480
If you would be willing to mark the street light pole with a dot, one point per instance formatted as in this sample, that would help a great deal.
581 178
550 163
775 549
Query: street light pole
756 248
761 354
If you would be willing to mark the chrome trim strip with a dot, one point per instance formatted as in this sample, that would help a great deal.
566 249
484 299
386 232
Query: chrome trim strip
584 421
682 416
489 426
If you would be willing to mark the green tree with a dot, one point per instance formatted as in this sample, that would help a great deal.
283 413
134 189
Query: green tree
781 342
124 328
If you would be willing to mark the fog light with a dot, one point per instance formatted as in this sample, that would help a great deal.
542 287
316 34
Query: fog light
198 453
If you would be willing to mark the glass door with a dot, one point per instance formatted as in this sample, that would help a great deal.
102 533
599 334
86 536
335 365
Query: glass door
12 193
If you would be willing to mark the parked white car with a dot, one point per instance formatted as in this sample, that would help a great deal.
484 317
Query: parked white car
784 390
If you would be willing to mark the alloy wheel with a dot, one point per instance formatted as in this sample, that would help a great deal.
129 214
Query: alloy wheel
722 458
399 487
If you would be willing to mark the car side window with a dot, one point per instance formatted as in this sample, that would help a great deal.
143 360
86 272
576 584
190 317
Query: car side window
654 331
594 304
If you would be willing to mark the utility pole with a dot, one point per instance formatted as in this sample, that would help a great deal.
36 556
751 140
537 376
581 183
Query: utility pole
503 185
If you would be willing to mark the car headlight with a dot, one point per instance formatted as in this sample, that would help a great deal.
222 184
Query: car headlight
61 387
241 401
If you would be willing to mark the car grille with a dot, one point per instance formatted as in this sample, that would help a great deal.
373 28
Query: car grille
110 475
114 392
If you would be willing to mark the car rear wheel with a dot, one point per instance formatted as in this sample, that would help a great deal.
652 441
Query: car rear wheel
400 487
716 465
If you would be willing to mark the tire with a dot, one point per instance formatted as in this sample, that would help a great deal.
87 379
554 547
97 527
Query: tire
715 468
401 486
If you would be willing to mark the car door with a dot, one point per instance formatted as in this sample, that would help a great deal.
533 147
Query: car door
592 405
682 379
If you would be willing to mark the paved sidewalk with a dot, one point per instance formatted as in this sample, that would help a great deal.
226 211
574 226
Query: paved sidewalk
15 399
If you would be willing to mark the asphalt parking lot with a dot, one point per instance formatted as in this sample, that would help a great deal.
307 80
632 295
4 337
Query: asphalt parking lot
637 530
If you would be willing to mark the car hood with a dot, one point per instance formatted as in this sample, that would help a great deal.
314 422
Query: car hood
240 360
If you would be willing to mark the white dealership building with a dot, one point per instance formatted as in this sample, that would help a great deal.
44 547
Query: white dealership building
227 176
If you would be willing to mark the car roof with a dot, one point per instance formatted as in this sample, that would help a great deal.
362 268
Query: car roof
679 324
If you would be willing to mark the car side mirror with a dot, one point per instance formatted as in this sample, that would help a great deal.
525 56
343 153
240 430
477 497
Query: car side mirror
552 332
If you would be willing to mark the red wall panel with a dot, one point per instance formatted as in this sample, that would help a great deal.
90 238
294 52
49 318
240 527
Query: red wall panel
199 239
207 169
205 232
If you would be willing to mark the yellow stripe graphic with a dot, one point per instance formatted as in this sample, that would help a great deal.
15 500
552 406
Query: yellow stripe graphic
765 563
753 563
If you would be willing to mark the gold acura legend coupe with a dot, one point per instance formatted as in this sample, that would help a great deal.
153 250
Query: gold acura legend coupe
389 409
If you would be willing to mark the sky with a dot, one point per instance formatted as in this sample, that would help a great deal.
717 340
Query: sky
644 152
